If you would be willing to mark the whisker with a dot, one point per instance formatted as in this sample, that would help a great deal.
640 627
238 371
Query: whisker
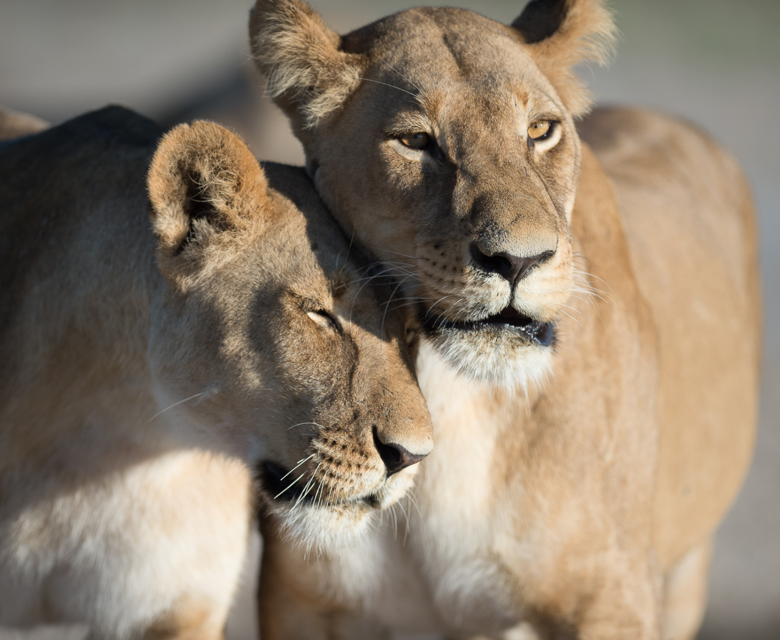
384 315
406 520
437 302
582 273
568 315
302 424
352 306
455 304
402 264
317 493
574 309
176 404
403 299
290 485
394 516
300 462
386 63
389 85
413 499
308 486
403 255
413 302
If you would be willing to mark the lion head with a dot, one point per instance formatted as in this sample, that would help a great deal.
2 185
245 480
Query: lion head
446 143
165 330
290 331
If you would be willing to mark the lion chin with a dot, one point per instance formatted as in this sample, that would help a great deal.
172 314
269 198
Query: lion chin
314 524
507 350
506 362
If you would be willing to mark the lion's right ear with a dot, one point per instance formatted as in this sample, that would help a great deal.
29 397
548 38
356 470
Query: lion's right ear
307 73
204 184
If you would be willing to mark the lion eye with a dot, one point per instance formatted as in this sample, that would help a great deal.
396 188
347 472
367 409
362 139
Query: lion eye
540 130
419 141
324 319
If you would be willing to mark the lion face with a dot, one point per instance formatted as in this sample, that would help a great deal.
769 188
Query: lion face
471 208
456 164
276 331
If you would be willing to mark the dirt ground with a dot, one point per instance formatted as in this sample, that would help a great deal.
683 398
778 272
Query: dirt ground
714 62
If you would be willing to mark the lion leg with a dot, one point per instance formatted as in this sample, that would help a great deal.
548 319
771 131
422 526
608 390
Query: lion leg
523 631
186 622
685 594
291 611
190 621
284 618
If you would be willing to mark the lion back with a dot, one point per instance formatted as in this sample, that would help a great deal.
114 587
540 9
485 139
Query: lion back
49 250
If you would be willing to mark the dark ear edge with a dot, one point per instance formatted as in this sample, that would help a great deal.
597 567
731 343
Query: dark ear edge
202 181
541 19
307 74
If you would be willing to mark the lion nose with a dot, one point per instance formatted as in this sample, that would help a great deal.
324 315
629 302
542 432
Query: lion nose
395 456
512 268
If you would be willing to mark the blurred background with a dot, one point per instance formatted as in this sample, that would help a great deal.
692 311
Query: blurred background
715 62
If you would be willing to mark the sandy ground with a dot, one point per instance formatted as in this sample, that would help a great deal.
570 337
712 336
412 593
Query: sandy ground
703 59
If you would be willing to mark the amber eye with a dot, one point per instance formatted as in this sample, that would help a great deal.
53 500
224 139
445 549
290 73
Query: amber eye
419 141
540 130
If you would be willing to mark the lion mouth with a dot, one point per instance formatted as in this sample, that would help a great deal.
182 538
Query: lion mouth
281 485
508 320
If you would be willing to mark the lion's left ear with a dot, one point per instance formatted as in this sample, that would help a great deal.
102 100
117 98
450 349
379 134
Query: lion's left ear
203 182
563 33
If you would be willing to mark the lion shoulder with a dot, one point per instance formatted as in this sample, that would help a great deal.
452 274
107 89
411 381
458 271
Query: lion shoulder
56 201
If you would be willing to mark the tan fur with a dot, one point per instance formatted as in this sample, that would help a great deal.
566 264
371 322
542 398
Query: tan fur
151 369
294 28
187 621
14 124
572 486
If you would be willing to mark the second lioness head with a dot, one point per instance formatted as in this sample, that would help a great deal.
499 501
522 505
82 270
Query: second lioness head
277 329
445 142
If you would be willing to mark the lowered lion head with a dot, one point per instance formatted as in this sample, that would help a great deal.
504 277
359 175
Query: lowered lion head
274 327
445 142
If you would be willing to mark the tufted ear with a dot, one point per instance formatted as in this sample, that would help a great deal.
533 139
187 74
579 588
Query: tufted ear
203 182
562 34
308 75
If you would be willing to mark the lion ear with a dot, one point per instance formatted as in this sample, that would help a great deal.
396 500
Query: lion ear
563 33
202 181
307 73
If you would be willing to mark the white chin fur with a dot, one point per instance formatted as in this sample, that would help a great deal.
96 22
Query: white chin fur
498 361
326 527
318 529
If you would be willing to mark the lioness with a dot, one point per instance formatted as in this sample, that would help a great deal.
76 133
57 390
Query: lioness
149 369
591 326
